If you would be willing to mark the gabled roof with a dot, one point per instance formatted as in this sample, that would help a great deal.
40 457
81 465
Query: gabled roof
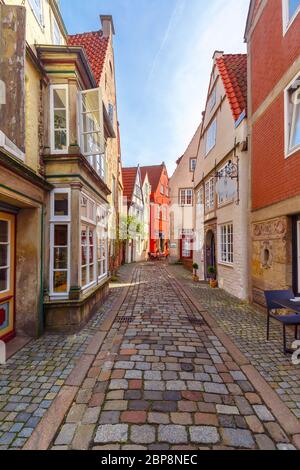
129 179
154 174
95 46
144 173
233 70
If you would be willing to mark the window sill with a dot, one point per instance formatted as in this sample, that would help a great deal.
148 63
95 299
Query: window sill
226 265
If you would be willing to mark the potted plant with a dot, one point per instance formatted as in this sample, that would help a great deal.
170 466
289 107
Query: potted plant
195 272
212 274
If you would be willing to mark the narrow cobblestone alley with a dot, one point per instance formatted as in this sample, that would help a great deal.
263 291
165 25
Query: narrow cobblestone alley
163 380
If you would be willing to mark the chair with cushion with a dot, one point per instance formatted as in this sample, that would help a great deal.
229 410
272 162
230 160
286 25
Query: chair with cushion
285 320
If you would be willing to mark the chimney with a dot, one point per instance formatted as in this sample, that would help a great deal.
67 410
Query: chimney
107 25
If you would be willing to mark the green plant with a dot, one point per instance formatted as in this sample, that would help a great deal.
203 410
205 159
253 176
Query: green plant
195 266
212 272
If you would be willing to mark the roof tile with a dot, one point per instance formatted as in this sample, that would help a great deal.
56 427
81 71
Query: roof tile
95 46
233 70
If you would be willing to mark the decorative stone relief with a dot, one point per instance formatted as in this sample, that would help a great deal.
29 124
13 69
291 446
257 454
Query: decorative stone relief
271 229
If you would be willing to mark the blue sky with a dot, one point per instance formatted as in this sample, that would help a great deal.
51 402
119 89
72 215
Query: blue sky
163 52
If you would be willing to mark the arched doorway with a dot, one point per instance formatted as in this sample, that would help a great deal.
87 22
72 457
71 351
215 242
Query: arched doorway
210 247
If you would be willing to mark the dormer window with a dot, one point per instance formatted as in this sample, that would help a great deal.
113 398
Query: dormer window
292 117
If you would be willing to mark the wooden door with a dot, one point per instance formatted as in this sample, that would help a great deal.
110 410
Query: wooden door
7 276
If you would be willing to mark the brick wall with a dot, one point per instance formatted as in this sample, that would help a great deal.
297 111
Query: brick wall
274 178
272 53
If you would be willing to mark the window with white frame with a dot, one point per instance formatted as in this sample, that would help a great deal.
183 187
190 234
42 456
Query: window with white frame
59 119
37 8
88 239
102 247
5 258
210 194
60 242
290 9
91 127
211 136
186 197
226 243
162 189
193 163
212 99
56 32
165 213
200 197
292 117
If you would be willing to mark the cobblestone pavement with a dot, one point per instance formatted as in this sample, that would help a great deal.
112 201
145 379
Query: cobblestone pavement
163 380
246 326
32 378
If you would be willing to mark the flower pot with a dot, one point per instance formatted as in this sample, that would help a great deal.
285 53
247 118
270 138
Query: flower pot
213 283
195 278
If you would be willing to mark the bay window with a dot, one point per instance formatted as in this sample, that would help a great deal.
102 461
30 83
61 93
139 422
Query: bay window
226 244
93 242
292 116
92 129
60 243
59 118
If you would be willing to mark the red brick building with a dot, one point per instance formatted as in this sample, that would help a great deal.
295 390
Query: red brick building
273 37
159 208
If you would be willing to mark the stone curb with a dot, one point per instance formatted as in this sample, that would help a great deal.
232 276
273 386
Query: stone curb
283 414
46 430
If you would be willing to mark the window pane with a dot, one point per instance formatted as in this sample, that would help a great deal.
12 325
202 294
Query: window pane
3 255
92 144
84 251
61 204
92 274
91 122
293 5
3 280
61 235
84 277
60 119
60 282
90 101
60 140
60 258
3 231
60 99
83 207
296 126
